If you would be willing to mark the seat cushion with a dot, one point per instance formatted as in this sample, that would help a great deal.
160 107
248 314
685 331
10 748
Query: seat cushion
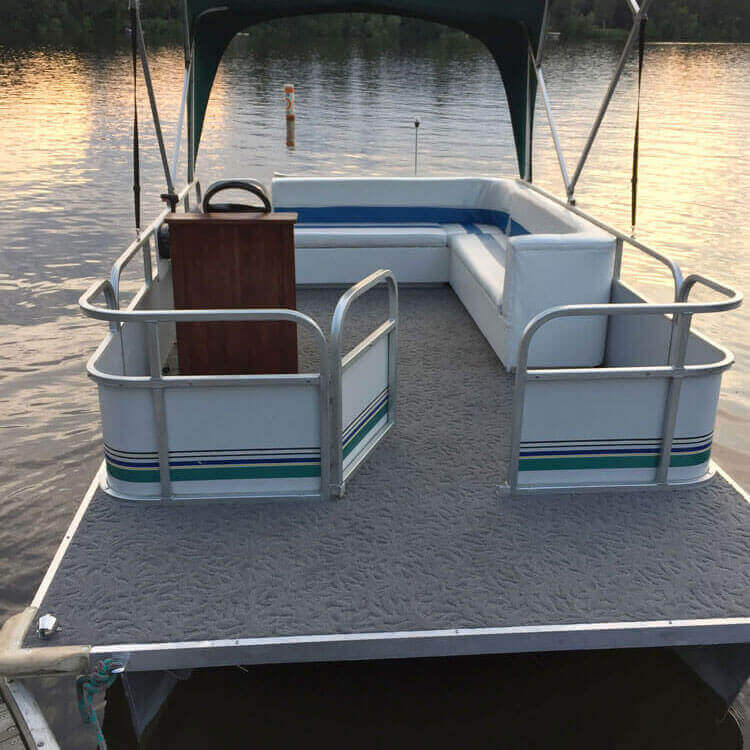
484 256
389 235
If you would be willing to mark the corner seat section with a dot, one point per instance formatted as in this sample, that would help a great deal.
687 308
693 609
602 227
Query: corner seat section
484 257
508 252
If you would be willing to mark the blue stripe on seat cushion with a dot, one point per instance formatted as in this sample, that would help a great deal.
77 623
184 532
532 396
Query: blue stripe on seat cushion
402 215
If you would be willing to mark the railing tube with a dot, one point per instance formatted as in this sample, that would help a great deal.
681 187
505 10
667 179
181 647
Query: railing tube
682 312
677 350
667 261
151 318
119 265
160 410
337 329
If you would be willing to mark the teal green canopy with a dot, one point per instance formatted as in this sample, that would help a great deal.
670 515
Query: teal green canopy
506 27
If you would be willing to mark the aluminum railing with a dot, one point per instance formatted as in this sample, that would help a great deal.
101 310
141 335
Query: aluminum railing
146 242
157 382
620 239
339 363
676 369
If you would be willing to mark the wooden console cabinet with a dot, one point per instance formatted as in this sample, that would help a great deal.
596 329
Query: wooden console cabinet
234 260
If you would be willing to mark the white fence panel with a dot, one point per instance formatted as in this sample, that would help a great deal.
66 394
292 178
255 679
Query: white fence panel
364 402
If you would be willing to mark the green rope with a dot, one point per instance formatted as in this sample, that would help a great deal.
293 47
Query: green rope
104 674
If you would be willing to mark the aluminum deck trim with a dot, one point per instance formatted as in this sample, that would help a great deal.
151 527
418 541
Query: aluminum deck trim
49 576
735 484
406 644
427 643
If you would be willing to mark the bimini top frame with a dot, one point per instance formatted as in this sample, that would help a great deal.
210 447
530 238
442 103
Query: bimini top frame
508 28
512 30
535 59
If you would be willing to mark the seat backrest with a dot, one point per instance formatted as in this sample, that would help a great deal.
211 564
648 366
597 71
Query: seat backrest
539 215
374 200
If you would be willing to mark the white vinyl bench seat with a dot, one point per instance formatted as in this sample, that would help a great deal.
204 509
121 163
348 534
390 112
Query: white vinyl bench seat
369 235
508 252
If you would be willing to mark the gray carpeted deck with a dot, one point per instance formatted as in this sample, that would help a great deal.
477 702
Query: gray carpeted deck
421 541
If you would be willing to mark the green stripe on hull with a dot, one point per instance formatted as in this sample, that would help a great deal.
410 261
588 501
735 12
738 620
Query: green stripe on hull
365 429
208 473
563 463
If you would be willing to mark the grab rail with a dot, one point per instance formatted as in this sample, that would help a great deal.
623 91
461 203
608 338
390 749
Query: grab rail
675 370
337 328
157 382
696 278
620 236
143 242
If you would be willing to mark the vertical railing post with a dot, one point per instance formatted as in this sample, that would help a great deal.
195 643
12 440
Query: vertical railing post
519 393
617 271
148 271
160 412
325 422
392 349
336 365
337 448
677 353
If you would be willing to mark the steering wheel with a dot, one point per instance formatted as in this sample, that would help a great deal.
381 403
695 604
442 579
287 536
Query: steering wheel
251 186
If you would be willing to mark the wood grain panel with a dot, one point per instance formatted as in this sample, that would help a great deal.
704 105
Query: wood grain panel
234 261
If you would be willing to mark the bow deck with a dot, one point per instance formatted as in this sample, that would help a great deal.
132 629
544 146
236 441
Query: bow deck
424 556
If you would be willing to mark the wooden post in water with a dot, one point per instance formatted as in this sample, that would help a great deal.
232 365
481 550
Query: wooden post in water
416 142
289 99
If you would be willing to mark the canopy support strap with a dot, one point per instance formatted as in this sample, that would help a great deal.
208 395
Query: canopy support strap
170 196
610 91
634 180
136 147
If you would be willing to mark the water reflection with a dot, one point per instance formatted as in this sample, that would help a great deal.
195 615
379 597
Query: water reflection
66 209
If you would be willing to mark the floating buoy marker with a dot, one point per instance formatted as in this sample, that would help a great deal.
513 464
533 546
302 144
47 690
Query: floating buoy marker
289 100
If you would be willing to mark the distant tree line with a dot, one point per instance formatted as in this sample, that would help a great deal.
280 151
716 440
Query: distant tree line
668 20
82 21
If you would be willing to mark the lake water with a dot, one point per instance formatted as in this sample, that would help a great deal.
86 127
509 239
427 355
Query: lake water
66 208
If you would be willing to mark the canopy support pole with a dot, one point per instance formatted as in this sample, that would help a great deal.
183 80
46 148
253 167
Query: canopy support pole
189 57
191 128
530 60
136 144
542 35
170 196
180 121
527 139
610 91
551 120
636 137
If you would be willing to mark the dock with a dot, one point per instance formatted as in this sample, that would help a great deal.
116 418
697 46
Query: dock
10 732
425 556
22 724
